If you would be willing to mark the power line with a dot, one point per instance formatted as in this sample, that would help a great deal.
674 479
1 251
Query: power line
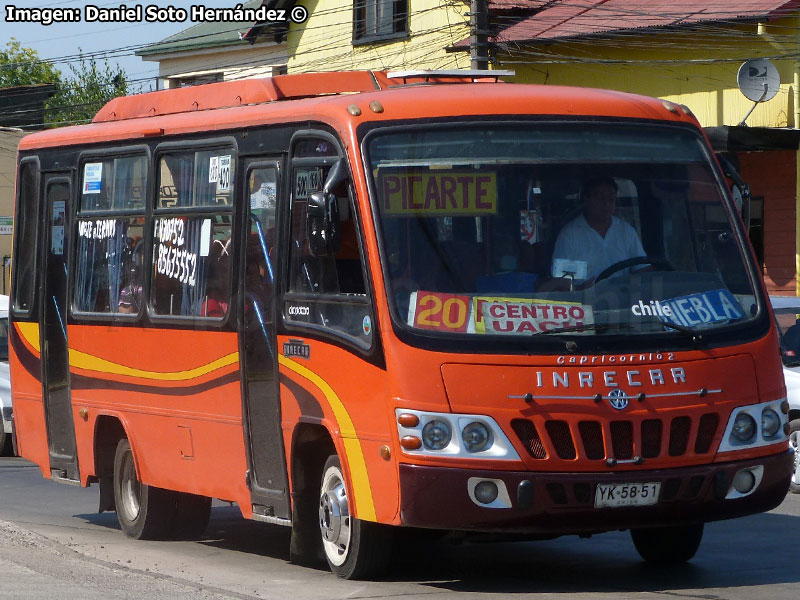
426 47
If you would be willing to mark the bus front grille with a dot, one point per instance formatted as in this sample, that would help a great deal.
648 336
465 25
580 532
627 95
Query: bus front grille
620 439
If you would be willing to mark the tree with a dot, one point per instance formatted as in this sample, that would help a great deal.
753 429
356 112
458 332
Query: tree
78 97
22 66
90 86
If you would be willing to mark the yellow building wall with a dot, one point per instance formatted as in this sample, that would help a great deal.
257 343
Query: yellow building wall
695 69
324 41
9 140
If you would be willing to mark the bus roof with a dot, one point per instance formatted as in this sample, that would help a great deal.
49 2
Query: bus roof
343 99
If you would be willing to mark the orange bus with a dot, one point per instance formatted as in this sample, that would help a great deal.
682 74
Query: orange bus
352 302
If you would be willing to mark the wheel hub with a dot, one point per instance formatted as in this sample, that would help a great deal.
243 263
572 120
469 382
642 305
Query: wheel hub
131 489
334 516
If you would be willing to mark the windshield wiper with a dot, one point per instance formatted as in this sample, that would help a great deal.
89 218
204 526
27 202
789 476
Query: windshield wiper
695 333
586 327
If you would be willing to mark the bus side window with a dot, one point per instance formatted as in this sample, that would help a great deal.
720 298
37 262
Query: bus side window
191 266
191 274
27 217
108 274
337 277
108 259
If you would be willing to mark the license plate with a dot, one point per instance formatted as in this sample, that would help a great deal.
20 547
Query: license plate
626 494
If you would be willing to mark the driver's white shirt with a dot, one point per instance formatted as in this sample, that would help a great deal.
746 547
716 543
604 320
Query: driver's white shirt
578 241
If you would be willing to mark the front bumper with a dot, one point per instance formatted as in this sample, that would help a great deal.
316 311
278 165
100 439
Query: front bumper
563 503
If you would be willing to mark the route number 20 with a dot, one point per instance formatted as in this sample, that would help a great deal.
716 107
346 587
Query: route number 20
442 311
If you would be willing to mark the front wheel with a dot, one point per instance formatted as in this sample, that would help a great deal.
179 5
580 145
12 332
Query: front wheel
668 545
354 549
144 512
794 442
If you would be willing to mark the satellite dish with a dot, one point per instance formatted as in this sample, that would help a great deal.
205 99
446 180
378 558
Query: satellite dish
758 80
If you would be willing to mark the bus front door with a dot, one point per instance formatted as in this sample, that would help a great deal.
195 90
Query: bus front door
259 359
53 332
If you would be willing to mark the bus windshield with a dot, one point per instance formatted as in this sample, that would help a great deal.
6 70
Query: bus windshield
549 229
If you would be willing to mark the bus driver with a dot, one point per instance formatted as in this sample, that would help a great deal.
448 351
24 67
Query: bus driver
596 239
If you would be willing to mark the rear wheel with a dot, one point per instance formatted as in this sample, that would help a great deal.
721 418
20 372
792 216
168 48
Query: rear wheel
354 549
794 442
144 512
668 544
5 442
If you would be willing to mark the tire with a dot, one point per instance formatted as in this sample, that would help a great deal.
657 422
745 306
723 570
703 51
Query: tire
191 517
354 549
144 512
794 442
668 545
5 442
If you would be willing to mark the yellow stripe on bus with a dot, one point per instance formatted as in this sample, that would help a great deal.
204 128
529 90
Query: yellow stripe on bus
30 332
355 456
81 360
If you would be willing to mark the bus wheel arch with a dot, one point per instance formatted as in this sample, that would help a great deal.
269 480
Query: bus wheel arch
108 431
321 511
144 512
312 444
354 549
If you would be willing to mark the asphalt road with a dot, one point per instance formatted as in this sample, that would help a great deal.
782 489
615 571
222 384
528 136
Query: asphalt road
53 543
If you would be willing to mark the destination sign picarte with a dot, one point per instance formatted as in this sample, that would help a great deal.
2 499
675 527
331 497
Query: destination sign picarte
437 194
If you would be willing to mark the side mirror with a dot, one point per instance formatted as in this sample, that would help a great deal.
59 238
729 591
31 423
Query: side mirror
322 224
336 175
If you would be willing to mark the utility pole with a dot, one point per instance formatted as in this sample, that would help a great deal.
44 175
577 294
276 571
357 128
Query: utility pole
479 34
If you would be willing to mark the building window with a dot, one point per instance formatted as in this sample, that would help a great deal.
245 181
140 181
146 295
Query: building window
379 19
191 80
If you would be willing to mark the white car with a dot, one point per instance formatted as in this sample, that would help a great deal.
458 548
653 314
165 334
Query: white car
5 382
787 311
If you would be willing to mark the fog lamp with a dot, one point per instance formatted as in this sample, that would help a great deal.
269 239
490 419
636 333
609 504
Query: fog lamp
744 481
744 427
436 434
770 422
486 492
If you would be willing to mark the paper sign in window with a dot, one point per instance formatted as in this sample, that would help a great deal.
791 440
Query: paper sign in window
92 178
205 237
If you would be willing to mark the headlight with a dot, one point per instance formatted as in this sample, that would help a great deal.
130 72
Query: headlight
436 434
770 422
744 427
448 435
476 436
744 430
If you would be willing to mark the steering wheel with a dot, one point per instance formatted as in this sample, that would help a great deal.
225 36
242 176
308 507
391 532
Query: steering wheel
657 261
